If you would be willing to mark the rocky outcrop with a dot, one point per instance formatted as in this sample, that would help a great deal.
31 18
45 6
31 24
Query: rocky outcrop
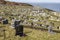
2 2
13 3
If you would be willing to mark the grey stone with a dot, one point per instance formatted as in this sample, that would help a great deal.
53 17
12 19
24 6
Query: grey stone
19 30
5 21
50 29
17 22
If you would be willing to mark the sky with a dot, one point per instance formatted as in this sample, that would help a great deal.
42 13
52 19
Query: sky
36 1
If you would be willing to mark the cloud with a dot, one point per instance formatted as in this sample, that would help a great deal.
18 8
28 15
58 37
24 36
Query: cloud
49 1
54 1
25 0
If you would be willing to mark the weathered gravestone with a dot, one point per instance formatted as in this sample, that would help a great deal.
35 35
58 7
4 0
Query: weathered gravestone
50 29
19 30
58 27
16 22
5 21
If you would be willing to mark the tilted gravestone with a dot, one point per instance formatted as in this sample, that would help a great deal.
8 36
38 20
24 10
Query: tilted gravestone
5 21
19 30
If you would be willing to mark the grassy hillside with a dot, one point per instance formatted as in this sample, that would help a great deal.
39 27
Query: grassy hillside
29 14
7 2
32 34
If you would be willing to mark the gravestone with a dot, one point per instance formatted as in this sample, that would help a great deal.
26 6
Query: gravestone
50 29
5 21
17 22
14 23
19 30
58 27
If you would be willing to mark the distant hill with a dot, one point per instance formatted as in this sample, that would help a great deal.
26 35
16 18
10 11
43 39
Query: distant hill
13 3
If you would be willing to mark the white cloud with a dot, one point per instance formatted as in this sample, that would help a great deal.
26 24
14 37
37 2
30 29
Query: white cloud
54 1
25 0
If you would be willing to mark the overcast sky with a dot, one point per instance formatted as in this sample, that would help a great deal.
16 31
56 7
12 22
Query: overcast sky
35 1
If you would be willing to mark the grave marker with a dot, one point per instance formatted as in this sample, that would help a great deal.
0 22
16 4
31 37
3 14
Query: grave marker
5 21
58 27
19 30
50 29
17 22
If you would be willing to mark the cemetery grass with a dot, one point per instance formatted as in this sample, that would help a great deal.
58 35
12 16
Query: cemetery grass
31 34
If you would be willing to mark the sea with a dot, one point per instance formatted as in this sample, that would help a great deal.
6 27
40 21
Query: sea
52 6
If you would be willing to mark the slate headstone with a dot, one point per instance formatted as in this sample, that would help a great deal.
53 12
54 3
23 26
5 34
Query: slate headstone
5 21
19 30
17 22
